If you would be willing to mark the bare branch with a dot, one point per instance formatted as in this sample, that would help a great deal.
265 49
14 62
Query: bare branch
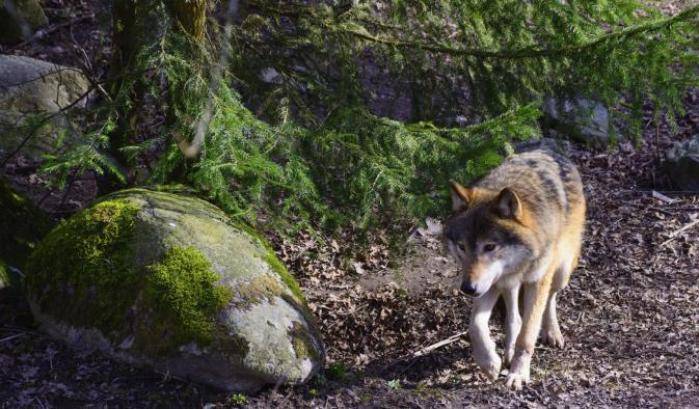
676 233
426 350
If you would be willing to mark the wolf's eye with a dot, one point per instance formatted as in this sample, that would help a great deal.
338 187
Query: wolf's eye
488 248
462 246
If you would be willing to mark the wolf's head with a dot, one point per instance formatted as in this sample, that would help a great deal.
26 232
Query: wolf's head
488 236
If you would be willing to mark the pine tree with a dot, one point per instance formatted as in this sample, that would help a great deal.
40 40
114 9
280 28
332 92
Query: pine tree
313 155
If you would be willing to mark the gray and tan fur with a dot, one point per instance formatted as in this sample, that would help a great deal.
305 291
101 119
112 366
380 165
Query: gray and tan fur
520 227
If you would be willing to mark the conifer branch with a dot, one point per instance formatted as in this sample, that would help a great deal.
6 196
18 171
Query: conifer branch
528 52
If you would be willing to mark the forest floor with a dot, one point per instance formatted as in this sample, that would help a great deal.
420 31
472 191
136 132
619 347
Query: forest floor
630 315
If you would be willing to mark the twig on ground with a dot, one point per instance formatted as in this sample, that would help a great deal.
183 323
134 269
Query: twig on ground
676 233
426 350
11 337
662 197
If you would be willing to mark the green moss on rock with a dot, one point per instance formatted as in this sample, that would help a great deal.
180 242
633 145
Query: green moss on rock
304 346
194 208
275 264
261 288
285 276
84 259
183 293
90 259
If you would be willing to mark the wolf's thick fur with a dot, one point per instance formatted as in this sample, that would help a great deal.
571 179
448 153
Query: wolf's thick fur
519 227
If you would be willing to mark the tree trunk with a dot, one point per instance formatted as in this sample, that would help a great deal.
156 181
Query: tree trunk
138 28
190 16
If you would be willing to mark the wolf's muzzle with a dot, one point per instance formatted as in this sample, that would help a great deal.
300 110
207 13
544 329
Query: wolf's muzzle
467 288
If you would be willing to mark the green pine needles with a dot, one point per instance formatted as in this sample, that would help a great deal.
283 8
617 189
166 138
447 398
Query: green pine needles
301 147
382 172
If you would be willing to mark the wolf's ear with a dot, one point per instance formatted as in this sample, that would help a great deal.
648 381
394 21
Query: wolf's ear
461 196
507 204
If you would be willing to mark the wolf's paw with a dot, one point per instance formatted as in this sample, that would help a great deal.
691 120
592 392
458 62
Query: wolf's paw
554 338
491 367
516 380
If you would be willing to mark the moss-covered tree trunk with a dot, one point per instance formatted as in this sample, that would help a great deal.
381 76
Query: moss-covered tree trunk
190 16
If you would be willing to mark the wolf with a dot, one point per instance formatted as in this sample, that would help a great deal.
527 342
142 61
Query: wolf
518 228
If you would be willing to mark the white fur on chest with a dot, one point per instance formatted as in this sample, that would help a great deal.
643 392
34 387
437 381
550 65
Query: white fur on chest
508 282
540 268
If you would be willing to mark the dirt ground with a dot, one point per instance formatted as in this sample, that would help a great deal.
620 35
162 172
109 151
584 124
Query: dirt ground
630 315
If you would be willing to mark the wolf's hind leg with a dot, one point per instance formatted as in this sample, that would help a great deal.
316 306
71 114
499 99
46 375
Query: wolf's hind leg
514 321
481 343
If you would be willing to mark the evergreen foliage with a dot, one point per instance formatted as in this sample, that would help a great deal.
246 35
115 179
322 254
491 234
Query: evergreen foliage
507 52
313 155
380 170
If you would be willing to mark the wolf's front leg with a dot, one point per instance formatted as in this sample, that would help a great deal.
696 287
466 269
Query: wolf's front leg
482 345
535 298
514 321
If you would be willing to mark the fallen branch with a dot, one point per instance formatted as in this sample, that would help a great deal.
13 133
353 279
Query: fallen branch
662 197
674 235
11 337
426 350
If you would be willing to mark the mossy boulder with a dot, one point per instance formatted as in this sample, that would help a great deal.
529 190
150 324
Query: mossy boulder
168 281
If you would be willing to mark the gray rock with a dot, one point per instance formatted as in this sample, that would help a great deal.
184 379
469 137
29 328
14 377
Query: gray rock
19 19
29 90
683 164
30 85
169 282
578 118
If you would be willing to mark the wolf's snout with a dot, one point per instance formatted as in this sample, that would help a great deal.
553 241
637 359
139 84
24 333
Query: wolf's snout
467 288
